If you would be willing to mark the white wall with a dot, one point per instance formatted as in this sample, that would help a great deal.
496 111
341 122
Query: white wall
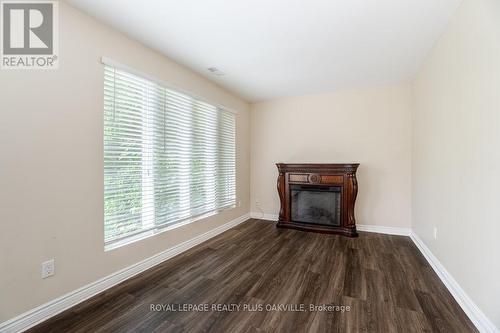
456 152
368 126
51 165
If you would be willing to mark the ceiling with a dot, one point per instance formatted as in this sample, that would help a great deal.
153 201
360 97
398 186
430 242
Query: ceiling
274 48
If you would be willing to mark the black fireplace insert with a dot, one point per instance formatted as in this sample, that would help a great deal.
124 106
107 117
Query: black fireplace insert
316 204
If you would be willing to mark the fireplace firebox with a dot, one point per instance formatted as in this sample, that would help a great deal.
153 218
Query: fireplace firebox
316 204
318 197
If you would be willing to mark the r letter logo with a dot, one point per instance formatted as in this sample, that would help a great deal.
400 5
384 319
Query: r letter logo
29 34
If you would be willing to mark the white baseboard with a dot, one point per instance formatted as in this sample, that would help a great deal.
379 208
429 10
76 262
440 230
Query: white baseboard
478 318
52 308
384 230
263 216
367 228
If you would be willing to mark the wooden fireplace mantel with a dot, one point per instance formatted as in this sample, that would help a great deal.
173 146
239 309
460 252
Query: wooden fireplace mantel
341 175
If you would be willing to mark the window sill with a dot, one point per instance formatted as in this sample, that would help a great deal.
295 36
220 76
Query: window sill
149 233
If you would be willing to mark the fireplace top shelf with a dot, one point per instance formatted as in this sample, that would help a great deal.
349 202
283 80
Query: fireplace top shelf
318 167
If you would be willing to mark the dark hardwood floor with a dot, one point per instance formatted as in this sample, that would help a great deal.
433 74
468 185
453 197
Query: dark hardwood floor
384 280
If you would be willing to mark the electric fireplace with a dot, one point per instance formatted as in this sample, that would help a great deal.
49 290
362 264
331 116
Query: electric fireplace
318 197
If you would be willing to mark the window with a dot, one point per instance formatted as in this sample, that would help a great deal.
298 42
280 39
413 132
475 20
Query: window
168 157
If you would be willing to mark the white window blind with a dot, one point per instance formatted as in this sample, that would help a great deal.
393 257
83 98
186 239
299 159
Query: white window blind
168 157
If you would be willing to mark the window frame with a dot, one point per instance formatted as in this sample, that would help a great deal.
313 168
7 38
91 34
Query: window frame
159 228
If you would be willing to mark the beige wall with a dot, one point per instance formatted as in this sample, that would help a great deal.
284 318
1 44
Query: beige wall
51 165
368 126
456 152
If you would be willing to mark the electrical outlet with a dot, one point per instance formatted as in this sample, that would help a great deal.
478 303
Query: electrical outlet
239 203
48 268
435 233
257 202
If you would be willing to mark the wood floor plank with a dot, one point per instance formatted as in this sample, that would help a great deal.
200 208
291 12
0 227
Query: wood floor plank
374 283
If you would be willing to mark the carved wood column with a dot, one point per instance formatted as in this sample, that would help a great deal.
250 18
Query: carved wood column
281 193
352 185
